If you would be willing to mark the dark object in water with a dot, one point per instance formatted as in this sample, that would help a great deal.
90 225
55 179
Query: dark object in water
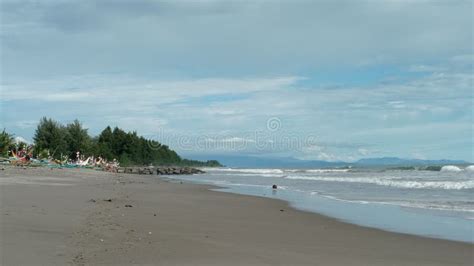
274 187
128 206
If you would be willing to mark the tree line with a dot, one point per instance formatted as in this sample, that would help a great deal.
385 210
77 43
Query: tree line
53 139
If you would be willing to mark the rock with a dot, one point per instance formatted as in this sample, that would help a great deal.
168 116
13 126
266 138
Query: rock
161 170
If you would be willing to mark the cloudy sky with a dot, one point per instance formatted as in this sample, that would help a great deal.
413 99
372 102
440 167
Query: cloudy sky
330 80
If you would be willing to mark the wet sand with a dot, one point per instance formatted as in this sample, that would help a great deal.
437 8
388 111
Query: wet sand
86 217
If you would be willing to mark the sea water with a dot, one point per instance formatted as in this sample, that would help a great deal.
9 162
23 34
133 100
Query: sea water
437 204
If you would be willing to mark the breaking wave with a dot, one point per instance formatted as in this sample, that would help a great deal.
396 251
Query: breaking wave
249 171
449 185
327 170
274 171
470 168
450 168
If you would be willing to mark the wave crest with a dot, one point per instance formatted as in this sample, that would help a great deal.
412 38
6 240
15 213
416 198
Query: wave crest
450 168
449 185
243 170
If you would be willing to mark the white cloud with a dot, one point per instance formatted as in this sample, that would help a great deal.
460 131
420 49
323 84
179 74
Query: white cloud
166 65
426 68
116 88
24 124
436 104
228 38
363 152
19 139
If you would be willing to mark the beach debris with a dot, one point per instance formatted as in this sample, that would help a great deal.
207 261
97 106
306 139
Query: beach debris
21 156
149 233
92 200
101 240
274 186
128 206
282 210
24 156
154 214
108 200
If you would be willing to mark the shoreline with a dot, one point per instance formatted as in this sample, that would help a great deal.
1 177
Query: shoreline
173 223
224 189
292 206
411 210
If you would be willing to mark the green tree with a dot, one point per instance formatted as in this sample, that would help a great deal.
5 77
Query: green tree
77 139
6 143
51 135
104 144
127 147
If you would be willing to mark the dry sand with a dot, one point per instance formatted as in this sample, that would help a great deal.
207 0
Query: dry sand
79 217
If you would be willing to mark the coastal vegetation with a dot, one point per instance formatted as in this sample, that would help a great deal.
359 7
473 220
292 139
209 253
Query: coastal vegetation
55 140
6 143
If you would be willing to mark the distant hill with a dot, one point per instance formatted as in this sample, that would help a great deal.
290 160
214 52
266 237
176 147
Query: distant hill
394 161
241 161
266 162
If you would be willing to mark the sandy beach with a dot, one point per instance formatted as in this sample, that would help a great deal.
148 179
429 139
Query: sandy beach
87 217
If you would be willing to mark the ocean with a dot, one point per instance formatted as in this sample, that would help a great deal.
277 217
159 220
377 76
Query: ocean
438 204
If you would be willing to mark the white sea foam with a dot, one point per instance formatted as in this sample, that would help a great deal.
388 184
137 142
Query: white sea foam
433 206
274 171
231 184
250 171
328 170
450 185
450 168
250 174
443 206
470 168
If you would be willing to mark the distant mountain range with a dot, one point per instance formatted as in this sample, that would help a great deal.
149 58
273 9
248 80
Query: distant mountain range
394 161
288 162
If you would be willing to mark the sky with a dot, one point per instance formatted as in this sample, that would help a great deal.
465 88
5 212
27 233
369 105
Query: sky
312 80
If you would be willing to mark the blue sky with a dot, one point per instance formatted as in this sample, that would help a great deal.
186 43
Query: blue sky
339 80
